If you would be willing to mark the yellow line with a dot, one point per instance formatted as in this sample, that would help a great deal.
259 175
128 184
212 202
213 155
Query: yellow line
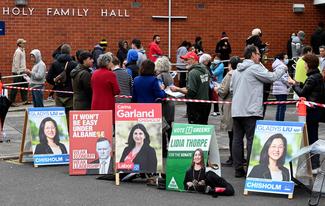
16 162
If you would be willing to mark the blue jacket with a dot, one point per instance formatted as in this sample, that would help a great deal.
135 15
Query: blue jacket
217 71
146 89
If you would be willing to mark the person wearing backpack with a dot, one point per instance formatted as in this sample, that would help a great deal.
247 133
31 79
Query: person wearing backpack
59 76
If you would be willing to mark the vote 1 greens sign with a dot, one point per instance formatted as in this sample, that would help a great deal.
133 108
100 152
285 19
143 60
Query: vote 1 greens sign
185 140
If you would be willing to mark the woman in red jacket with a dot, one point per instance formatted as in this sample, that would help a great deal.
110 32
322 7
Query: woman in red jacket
104 84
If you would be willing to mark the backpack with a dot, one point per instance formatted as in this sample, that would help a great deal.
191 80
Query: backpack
61 79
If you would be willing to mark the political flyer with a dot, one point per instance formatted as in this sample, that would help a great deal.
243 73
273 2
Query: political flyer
138 138
91 143
49 135
191 144
274 144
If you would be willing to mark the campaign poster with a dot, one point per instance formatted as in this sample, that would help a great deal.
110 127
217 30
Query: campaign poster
138 138
49 135
189 145
91 142
274 144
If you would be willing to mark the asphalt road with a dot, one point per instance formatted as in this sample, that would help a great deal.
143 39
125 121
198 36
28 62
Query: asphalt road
22 184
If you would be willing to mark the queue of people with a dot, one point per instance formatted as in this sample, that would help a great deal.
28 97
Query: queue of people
96 78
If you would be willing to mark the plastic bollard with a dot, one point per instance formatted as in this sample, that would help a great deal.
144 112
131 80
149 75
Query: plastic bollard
301 109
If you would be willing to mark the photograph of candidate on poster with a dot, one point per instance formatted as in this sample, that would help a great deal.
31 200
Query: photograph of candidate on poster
269 154
49 138
138 147
272 160
49 135
104 160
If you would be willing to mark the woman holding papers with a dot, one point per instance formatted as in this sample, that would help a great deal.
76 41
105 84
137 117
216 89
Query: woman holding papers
162 68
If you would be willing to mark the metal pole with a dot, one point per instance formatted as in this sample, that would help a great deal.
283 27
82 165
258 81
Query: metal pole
169 26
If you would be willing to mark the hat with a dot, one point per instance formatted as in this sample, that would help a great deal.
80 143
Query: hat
223 35
190 55
21 41
83 56
256 32
103 42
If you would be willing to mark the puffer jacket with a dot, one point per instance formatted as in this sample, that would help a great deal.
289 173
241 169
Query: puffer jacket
280 86
313 88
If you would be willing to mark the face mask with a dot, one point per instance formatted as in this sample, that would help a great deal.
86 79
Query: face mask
286 61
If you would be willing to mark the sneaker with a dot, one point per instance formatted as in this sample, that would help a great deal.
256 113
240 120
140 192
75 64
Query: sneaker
227 163
315 171
15 104
240 173
214 114
50 98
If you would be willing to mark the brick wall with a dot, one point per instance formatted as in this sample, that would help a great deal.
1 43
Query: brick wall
237 18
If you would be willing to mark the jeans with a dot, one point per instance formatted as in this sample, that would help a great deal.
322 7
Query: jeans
38 96
198 113
23 93
312 120
182 77
281 108
242 126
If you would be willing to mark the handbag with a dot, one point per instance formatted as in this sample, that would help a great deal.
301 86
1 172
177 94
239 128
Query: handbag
62 77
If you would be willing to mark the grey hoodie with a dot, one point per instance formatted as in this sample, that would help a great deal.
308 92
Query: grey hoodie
38 72
247 88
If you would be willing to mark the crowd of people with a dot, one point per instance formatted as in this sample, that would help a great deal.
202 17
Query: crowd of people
96 77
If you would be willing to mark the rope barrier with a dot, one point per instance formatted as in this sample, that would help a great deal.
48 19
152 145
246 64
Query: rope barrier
31 89
307 103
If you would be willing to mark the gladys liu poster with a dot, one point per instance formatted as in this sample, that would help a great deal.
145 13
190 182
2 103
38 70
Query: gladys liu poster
91 145
273 145
49 135
138 138
191 145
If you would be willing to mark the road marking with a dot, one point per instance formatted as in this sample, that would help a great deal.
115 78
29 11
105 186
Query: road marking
16 162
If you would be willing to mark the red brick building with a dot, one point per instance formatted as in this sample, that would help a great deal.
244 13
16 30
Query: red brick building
47 23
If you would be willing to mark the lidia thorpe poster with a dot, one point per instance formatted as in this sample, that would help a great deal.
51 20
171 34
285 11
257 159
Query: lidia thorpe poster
49 135
138 138
273 145
91 143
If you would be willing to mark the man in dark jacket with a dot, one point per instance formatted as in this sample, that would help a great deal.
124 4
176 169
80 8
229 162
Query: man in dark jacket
223 48
316 38
197 88
63 63
98 50
81 76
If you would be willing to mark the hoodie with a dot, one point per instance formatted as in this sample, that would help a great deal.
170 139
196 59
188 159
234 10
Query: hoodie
247 88
280 86
38 72
82 92
131 66
198 82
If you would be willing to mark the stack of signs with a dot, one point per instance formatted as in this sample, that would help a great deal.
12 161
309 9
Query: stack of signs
186 139
49 135
138 138
91 143
274 144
